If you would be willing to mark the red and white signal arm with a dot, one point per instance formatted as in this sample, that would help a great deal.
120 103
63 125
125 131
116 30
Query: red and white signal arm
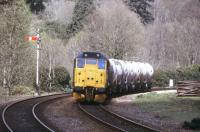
32 38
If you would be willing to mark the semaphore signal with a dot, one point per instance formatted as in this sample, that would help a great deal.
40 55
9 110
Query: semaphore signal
32 38
38 39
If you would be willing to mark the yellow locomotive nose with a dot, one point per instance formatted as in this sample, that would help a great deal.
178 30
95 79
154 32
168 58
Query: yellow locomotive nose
90 72
90 77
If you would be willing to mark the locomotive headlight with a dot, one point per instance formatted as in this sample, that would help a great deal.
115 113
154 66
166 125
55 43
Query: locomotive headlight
97 55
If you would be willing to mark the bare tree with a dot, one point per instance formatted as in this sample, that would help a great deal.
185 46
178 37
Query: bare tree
53 54
171 43
117 32
114 31
14 25
60 11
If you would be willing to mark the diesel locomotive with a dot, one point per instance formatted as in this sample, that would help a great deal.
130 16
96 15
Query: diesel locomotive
96 77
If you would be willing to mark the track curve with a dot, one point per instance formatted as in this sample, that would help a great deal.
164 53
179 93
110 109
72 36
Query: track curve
18 116
113 120
36 110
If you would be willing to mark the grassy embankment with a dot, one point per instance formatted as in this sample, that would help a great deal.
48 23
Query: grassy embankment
169 106
17 93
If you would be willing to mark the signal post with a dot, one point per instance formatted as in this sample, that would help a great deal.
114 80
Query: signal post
38 41
37 62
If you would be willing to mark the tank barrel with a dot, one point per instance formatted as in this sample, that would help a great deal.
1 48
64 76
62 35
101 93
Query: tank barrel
129 75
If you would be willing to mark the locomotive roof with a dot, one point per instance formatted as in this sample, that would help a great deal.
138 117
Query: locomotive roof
91 55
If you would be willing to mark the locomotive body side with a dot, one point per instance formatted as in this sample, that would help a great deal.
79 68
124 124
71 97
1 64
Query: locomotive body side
90 77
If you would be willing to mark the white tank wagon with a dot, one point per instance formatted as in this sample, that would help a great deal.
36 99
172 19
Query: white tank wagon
143 72
135 70
130 75
115 75
127 76
134 75
118 75
149 74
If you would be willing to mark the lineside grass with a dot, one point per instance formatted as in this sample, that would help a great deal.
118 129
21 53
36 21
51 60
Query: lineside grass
19 92
4 98
169 107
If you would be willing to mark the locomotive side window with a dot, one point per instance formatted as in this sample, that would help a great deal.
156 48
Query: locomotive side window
91 61
101 64
80 63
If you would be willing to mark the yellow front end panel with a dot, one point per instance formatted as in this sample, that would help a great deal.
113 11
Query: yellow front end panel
90 76
79 77
101 78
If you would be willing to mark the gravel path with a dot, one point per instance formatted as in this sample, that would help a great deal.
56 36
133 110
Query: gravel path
66 116
125 106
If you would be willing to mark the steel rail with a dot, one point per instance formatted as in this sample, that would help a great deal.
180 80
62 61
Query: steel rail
17 102
42 102
100 120
162 89
129 120
122 119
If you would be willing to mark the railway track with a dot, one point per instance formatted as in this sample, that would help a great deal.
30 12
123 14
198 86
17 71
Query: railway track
24 115
113 120
162 89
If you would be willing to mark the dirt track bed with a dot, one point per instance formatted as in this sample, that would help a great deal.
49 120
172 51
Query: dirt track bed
162 111
66 116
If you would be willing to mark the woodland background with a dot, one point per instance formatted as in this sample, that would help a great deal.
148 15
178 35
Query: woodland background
164 33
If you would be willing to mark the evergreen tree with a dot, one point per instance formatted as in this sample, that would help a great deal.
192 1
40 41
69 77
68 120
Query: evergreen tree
81 10
36 6
141 8
4 2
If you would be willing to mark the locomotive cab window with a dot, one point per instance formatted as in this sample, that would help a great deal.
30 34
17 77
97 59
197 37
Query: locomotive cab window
80 63
91 61
101 64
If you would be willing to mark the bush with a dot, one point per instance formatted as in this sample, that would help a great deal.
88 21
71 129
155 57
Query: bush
189 73
161 77
44 79
20 90
194 124
60 80
62 76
